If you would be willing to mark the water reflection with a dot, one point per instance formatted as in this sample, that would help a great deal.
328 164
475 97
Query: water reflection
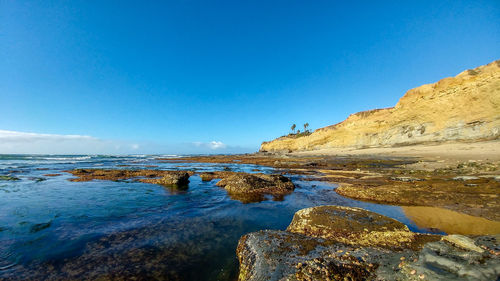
451 222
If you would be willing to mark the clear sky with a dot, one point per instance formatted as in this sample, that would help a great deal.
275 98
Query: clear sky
218 76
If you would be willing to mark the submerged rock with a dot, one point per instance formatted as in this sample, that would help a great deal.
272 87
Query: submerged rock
51 175
9 178
37 179
341 243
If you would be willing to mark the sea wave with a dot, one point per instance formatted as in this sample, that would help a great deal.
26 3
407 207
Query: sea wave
68 158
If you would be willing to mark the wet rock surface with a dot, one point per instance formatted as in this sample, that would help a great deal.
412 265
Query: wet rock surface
476 197
177 178
208 176
322 255
282 255
455 257
355 226
161 177
241 184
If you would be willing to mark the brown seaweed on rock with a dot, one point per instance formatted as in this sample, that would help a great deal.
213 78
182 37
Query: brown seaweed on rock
252 187
160 177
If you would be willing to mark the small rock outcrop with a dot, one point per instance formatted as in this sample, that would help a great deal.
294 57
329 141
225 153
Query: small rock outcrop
160 177
208 176
242 183
174 178
335 243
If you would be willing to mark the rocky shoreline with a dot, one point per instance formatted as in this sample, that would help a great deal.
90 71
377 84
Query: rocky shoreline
343 243
470 187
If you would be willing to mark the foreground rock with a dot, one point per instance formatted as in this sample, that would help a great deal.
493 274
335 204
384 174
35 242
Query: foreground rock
251 187
355 226
343 251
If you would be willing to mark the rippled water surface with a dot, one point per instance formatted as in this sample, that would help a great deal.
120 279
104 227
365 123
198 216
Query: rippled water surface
51 228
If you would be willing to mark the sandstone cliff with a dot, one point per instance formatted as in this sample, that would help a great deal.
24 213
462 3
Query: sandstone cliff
461 108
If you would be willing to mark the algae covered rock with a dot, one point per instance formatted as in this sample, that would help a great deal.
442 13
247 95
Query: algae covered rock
208 176
354 226
173 178
282 255
241 183
161 177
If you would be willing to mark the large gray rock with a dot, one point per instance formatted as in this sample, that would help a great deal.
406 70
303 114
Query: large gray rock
455 258
334 243
282 255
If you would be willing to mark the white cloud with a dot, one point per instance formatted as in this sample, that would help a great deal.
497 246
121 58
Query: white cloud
15 142
217 145
13 136
24 142
212 145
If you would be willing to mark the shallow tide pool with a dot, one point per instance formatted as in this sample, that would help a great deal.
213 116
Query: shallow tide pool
51 228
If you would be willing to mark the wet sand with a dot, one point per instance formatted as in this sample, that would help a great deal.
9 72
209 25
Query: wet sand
441 154
451 222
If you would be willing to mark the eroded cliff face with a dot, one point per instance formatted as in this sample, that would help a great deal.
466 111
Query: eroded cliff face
461 108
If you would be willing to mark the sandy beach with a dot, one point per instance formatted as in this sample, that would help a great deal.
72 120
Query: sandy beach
435 155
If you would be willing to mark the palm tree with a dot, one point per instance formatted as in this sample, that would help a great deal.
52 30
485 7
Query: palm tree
305 127
293 128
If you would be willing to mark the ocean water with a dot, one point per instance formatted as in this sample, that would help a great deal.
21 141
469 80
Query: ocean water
51 228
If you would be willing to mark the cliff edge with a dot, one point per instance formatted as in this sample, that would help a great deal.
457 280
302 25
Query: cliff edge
461 108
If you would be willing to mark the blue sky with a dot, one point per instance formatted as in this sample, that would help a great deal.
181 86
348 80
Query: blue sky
218 76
